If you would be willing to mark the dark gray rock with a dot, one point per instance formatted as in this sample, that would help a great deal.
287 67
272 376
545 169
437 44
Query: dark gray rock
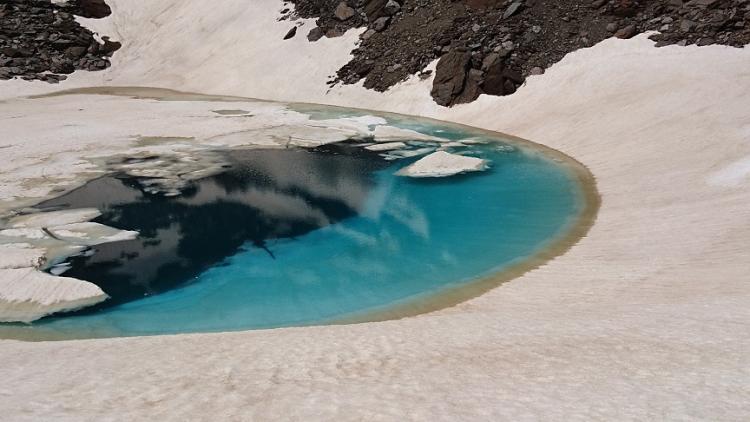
38 37
10 52
392 7
514 8
94 9
368 34
75 52
292 32
375 9
686 25
381 23
109 47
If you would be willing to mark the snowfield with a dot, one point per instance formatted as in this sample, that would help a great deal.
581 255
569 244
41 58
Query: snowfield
646 318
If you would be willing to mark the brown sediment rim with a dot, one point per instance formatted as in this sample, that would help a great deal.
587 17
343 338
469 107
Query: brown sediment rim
148 93
424 303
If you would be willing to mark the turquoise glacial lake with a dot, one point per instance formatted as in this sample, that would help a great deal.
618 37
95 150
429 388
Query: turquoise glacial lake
300 237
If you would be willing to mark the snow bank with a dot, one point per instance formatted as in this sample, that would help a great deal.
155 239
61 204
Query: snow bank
27 294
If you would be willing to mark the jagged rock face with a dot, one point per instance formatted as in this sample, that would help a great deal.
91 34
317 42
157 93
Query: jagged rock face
41 40
525 36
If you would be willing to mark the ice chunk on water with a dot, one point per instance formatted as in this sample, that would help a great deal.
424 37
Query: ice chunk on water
443 164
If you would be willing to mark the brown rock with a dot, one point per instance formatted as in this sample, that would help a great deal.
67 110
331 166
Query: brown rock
450 77
343 11
471 89
494 80
334 32
626 33
501 81
315 34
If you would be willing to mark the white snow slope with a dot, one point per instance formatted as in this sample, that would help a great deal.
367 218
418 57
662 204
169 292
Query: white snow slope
646 318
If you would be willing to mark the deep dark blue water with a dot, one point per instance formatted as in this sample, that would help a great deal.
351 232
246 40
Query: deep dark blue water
254 203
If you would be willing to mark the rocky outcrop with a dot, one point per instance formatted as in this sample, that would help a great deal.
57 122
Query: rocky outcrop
41 40
450 77
506 41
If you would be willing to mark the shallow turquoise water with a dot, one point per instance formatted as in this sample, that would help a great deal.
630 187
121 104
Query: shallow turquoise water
410 240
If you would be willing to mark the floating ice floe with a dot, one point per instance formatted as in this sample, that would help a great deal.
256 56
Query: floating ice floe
453 144
57 233
33 242
368 121
443 164
168 172
361 124
90 234
55 218
395 134
475 141
407 153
